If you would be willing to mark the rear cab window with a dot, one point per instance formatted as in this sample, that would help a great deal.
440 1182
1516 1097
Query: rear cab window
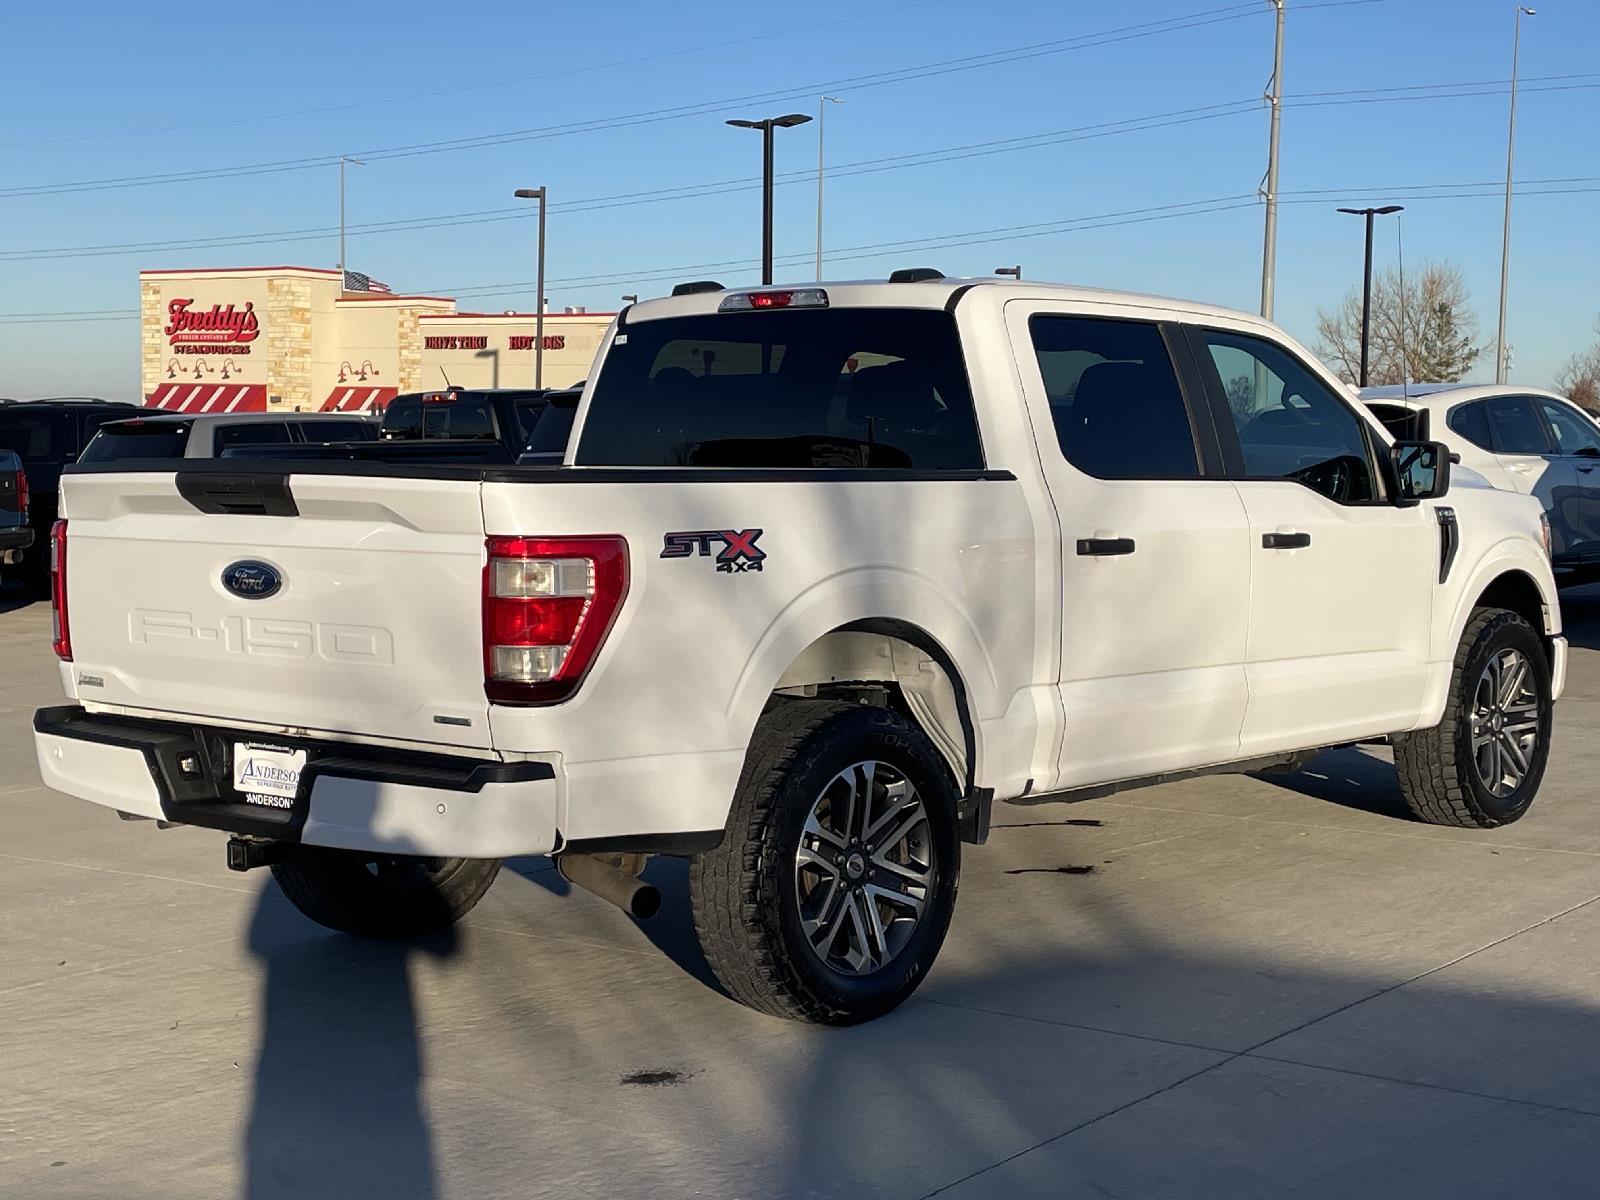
879 388
121 441
252 433
456 415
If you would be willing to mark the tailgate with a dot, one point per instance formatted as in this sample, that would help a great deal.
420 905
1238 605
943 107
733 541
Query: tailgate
357 610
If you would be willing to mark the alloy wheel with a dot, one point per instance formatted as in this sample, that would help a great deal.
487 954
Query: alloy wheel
864 871
1505 722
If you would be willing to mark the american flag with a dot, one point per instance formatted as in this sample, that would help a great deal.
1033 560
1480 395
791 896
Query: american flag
355 281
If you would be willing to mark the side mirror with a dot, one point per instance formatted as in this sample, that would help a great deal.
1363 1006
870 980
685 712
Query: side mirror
1421 471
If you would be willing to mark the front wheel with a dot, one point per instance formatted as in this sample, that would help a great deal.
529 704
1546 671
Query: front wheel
1481 766
382 896
830 896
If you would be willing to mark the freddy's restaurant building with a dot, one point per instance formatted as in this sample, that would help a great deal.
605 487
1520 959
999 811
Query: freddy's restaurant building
254 339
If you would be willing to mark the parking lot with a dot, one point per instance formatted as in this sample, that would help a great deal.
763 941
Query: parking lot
1232 987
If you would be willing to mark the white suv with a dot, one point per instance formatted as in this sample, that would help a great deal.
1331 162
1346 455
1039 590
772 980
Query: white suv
1521 439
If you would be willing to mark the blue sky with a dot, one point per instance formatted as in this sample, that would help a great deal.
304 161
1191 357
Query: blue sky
156 90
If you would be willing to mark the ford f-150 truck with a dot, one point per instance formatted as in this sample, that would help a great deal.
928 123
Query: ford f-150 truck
827 571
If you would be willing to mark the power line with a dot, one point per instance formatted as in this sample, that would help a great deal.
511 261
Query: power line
411 96
701 108
660 195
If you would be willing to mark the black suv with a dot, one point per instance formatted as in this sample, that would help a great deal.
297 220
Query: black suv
47 435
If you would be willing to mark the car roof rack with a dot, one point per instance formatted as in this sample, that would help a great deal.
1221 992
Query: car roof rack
696 287
915 275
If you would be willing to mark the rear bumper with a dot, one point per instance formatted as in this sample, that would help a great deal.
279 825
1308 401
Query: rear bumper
13 542
350 797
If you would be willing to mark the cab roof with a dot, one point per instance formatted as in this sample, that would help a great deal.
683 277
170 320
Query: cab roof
929 293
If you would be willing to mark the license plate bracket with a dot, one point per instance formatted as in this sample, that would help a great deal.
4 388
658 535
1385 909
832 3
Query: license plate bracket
267 775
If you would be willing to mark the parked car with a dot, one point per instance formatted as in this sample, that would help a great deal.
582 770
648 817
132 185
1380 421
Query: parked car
15 534
503 416
174 435
1521 439
827 572
46 435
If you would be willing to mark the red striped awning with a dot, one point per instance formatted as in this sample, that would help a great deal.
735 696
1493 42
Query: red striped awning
359 399
209 397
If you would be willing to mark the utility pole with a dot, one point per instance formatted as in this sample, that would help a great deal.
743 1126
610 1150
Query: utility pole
1274 97
538 194
1502 361
822 112
343 158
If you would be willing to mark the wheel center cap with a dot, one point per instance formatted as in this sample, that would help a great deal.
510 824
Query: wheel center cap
855 866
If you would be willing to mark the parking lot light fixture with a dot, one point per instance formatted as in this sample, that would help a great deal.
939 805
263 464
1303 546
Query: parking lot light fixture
1366 278
538 194
766 126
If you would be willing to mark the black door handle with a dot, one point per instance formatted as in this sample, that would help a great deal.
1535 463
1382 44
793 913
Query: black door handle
1285 541
1105 546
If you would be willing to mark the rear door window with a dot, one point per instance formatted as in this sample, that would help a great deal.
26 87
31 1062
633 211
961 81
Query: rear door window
251 433
134 440
38 436
795 388
336 431
1516 426
1114 398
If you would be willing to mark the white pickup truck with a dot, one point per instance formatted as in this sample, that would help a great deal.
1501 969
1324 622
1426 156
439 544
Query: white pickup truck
828 570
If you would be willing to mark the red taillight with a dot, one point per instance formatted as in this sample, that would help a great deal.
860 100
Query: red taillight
22 491
548 604
62 643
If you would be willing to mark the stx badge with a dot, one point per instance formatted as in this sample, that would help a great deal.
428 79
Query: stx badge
737 550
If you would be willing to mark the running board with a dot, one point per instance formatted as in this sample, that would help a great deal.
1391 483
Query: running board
1277 764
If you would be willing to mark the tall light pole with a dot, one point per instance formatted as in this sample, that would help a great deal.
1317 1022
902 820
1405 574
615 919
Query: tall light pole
822 112
1274 97
1502 361
1015 272
1366 279
766 127
343 158
538 194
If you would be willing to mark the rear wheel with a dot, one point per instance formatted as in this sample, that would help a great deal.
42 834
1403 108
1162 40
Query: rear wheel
830 897
382 896
1482 765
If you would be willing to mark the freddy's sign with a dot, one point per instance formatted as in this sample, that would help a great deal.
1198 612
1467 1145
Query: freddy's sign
214 330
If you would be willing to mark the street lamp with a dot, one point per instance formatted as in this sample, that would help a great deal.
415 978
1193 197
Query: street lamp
343 158
538 194
630 299
822 112
1015 272
766 127
1366 278
1501 359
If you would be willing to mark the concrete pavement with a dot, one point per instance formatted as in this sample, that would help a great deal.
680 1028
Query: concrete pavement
1260 988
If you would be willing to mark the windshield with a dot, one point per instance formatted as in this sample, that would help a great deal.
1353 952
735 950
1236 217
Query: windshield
883 388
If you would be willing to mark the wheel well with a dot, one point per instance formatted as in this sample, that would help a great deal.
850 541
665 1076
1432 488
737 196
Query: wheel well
898 664
1517 591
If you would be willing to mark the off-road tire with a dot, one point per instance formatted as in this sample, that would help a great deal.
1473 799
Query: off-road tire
742 893
382 896
1437 775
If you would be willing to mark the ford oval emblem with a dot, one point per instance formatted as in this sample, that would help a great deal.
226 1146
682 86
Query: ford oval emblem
252 580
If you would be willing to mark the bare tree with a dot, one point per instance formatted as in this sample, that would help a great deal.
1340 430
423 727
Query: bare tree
1580 378
1425 333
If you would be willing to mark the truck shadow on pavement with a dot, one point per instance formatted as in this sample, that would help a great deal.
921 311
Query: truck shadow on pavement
336 1109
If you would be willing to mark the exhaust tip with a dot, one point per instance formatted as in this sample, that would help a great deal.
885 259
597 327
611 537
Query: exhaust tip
646 902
